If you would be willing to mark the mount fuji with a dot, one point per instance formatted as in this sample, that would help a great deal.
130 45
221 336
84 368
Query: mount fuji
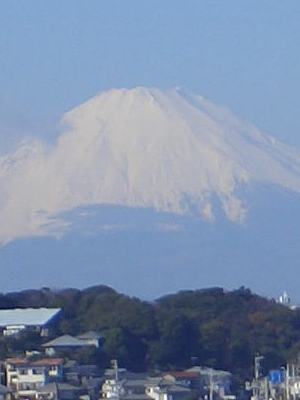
151 191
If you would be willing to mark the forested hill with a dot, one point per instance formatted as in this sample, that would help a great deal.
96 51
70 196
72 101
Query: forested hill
210 327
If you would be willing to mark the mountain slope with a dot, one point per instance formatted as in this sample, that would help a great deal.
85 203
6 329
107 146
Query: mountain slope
165 150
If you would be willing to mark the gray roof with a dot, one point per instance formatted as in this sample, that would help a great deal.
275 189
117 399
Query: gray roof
177 389
53 387
154 381
210 371
163 383
136 382
137 375
166 386
135 397
27 316
90 335
84 369
65 341
111 372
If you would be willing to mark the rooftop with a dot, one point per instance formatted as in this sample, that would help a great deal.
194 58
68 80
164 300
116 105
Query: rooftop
182 374
35 363
90 335
27 316
133 396
58 386
209 371
177 389
65 341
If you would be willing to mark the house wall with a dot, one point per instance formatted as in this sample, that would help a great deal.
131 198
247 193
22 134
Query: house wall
156 394
25 380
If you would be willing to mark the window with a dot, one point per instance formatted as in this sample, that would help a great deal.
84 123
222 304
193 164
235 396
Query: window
22 371
27 386
37 371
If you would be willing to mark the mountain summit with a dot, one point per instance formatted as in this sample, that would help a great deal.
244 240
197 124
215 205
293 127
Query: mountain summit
142 148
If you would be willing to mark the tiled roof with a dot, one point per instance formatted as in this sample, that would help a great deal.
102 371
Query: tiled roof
35 363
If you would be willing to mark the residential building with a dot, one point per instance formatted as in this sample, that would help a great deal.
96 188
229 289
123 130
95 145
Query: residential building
88 376
216 381
59 391
14 321
161 389
187 379
142 389
91 338
79 374
68 342
25 376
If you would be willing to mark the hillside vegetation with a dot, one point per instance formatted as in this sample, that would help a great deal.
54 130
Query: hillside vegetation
209 327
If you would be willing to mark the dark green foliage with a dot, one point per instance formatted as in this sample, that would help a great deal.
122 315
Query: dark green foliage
128 348
85 355
177 342
214 327
25 340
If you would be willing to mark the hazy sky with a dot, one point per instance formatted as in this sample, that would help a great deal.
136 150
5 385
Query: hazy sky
56 54
244 54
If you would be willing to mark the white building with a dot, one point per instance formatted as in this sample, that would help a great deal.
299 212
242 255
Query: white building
143 389
24 377
14 321
284 299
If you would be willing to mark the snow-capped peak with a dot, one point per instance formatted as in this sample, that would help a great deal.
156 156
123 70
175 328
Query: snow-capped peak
166 150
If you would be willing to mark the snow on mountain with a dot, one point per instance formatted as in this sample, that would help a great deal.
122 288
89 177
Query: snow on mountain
166 150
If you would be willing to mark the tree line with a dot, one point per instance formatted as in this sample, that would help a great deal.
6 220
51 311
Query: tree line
212 327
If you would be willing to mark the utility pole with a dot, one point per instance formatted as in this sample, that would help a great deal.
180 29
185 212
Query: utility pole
257 366
257 377
116 387
259 386
266 389
287 382
211 385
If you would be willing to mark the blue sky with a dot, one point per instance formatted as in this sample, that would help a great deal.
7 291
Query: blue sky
240 53
243 54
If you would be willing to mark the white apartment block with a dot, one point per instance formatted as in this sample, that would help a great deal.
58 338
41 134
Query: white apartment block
25 377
